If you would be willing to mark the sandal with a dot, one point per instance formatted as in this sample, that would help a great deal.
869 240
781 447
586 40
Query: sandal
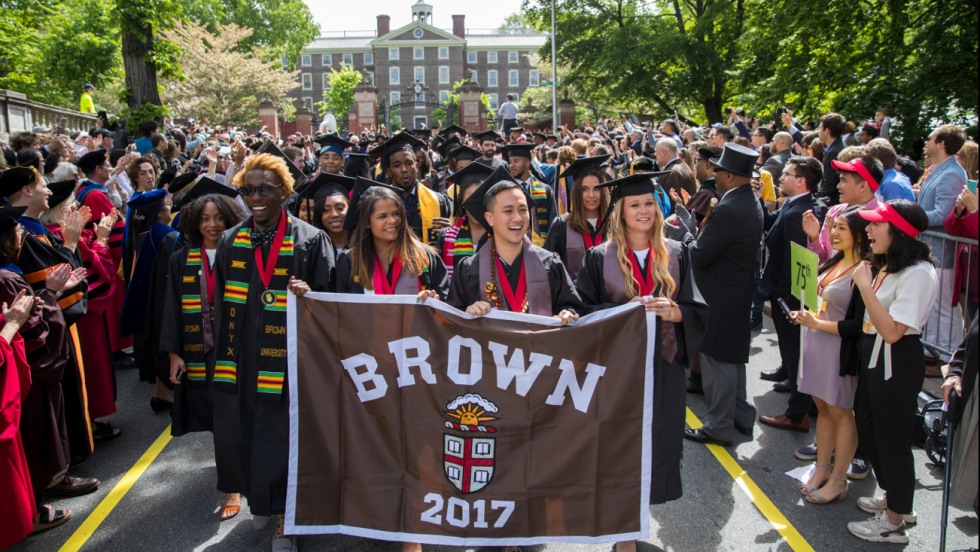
103 431
807 489
49 518
229 511
816 498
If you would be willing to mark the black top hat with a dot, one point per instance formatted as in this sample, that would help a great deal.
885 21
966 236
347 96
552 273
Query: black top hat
738 160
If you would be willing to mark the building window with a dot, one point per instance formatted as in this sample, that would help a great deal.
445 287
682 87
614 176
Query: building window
493 101
491 57
326 60
471 57
393 53
396 97
532 78
443 74
474 75
443 96
418 52
421 121
306 60
307 81
420 74
512 78
512 57
308 103
443 52
349 59
326 82
394 76
368 59
492 78
370 77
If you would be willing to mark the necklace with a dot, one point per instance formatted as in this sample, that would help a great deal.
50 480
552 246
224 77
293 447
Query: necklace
499 282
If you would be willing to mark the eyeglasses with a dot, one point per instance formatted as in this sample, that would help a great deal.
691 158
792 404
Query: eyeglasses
262 191
790 174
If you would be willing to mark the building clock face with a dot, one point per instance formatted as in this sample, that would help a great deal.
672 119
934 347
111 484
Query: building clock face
417 33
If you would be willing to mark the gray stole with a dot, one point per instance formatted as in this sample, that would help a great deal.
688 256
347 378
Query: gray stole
407 284
535 276
615 288
574 249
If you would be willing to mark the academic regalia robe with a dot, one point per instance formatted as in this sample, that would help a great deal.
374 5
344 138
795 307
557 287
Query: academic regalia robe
569 244
17 508
436 278
468 287
43 429
545 207
455 244
251 430
668 374
415 211
193 408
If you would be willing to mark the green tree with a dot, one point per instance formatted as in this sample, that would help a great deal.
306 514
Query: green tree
515 24
144 53
20 38
441 114
340 96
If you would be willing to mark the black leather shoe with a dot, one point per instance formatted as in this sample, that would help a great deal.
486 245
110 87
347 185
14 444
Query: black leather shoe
755 325
747 431
158 405
779 374
694 385
72 485
699 436
783 387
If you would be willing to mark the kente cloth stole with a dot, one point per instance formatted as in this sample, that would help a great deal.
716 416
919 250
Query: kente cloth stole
196 316
539 194
615 288
457 243
272 302
428 209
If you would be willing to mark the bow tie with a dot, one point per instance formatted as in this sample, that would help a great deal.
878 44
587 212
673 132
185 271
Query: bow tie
260 237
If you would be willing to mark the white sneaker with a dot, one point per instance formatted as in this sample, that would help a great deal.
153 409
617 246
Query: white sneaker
874 505
879 529
284 544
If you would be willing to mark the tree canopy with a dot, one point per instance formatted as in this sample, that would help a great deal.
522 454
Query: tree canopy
340 96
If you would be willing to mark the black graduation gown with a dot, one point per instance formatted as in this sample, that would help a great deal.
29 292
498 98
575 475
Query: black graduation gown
436 279
466 287
153 362
251 436
415 218
193 407
669 391
557 241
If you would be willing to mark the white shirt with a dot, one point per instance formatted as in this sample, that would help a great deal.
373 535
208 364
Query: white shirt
908 296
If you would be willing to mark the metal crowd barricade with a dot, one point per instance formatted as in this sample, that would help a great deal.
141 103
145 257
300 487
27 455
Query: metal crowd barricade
943 334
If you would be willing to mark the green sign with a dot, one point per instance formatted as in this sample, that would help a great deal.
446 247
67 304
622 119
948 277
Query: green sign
803 275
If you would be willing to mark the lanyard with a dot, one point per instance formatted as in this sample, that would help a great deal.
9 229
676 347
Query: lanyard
823 281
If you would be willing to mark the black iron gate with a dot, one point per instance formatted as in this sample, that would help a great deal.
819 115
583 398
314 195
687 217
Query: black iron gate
421 97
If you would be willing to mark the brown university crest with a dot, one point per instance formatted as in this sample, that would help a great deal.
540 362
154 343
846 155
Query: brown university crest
468 451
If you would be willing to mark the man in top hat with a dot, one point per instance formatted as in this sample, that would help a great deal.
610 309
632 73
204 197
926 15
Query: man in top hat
427 211
488 141
545 208
724 258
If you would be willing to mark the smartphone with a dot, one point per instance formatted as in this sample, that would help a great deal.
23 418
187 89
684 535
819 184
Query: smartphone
786 310
972 185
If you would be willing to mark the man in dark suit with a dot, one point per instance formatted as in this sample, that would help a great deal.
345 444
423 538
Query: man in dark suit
680 177
724 259
781 148
799 179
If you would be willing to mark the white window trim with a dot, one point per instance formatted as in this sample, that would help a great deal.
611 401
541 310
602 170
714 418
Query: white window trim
441 50
395 57
370 77
513 78
394 75
368 59
307 80
494 101
392 99
533 78
491 55
475 76
443 96
416 73
516 55
326 60
343 59
326 81
416 50
306 60
472 57
493 79
308 102
425 121
448 74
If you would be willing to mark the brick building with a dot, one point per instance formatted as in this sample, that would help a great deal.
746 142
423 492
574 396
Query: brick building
394 60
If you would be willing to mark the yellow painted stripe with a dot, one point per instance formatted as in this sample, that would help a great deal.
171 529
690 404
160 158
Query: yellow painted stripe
102 511
793 537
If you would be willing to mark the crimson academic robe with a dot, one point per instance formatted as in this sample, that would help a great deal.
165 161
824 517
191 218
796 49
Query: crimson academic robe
668 373
17 508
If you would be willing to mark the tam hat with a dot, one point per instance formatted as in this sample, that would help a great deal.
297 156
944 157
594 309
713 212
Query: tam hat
60 191
10 217
14 179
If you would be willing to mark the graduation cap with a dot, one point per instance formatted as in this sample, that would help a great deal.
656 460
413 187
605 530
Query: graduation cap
584 165
632 185
464 153
488 135
642 164
182 181
298 177
452 129
10 217
449 145
60 191
472 173
205 186
331 143
92 160
517 150
13 179
361 187
475 205
328 184
421 133
402 141
517 130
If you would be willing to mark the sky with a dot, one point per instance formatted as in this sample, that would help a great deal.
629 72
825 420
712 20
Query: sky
334 15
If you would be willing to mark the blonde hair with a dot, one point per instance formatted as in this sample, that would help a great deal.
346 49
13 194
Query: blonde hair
664 284
566 155
850 153
968 159
265 162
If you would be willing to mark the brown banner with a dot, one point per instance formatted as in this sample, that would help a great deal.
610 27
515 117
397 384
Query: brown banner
418 423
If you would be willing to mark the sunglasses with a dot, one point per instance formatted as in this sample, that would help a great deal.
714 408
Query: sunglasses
262 191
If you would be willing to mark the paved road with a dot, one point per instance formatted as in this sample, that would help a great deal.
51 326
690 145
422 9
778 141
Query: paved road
172 506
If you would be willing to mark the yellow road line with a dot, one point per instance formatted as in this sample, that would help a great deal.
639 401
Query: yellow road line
755 494
92 522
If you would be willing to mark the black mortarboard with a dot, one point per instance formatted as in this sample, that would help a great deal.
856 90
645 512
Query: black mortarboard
449 145
584 165
60 191
642 164
488 135
344 184
421 133
632 185
452 129
205 186
331 142
475 205
519 130
402 141
92 160
10 217
472 173
182 181
521 149
13 179
541 135
361 187
298 177
464 153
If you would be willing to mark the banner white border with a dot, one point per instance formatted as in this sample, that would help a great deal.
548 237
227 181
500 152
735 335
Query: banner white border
646 439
